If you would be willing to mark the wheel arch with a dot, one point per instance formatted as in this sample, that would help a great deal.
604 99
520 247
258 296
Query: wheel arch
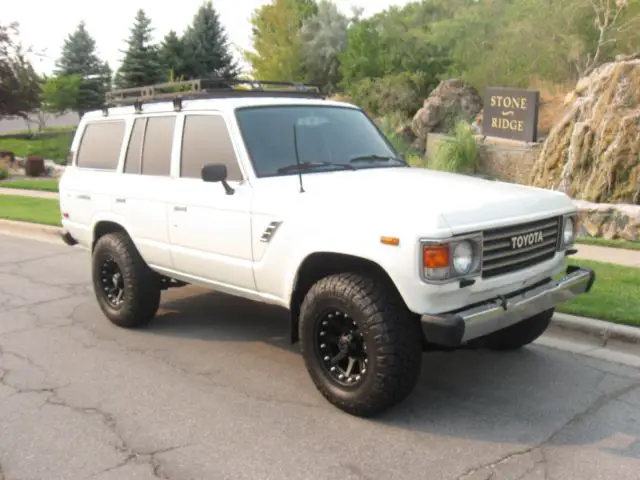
318 265
104 227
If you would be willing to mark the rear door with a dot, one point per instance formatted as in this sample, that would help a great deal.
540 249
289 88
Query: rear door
144 185
87 185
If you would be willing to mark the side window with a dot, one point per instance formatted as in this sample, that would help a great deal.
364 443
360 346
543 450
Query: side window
134 150
100 145
158 140
206 140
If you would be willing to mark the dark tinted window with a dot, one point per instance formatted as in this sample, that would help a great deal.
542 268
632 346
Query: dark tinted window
324 134
158 140
206 140
100 145
134 150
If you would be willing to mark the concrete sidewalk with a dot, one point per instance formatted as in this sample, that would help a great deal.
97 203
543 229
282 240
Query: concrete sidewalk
29 193
620 256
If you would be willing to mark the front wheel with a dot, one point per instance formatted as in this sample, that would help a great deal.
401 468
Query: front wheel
361 347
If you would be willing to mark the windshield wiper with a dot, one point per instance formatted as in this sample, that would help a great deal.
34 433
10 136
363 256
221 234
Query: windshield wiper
375 158
311 165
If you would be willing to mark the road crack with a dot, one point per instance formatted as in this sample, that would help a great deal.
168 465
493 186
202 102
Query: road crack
591 410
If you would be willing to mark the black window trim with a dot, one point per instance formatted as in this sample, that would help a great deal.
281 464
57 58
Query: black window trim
302 104
210 113
98 121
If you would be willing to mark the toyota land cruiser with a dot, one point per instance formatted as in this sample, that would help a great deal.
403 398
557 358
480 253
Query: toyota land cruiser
279 195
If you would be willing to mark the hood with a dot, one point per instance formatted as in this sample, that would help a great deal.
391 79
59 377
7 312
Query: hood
464 202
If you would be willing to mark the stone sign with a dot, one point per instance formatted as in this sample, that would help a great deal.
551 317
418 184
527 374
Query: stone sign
511 113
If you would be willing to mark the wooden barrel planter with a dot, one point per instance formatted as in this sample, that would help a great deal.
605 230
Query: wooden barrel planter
34 166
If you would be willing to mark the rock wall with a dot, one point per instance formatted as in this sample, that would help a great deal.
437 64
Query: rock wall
593 152
500 159
611 221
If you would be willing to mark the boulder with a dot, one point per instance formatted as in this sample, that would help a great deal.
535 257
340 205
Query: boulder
593 152
452 100
611 221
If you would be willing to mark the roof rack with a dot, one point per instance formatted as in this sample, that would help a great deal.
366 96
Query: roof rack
204 89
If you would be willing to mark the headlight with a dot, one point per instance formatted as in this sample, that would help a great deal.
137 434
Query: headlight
569 230
462 258
448 260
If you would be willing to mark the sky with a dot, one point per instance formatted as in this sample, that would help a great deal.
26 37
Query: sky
44 24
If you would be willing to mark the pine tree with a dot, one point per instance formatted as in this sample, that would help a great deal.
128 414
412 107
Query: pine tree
172 56
207 47
141 63
79 57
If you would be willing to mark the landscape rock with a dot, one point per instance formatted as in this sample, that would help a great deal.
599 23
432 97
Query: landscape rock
452 100
593 152
611 221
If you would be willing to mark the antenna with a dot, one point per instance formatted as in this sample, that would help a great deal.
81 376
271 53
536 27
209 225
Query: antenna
295 148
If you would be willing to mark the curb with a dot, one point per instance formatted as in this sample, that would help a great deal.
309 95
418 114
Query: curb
604 331
14 227
599 329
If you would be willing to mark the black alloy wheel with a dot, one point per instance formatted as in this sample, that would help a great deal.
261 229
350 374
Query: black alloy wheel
341 348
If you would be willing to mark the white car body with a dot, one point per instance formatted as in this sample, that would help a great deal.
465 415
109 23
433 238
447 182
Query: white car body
252 243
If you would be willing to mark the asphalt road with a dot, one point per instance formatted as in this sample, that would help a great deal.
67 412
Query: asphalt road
212 390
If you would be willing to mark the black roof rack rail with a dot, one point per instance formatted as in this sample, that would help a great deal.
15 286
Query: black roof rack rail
207 88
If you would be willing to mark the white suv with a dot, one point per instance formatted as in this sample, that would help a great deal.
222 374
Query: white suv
280 196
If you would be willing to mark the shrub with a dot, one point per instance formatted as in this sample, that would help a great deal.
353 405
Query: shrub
458 154
389 126
4 172
402 93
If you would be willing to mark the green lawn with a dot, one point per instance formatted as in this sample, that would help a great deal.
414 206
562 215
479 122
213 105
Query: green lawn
54 148
603 242
27 209
615 296
43 185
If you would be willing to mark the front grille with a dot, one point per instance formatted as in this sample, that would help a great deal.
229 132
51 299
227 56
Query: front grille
501 254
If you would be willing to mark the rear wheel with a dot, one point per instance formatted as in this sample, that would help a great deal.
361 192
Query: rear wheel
521 334
361 347
127 290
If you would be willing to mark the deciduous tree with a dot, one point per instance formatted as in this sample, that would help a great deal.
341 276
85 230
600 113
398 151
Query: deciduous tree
323 37
19 85
276 40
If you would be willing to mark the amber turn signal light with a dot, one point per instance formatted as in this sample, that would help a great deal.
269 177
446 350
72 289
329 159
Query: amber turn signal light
435 256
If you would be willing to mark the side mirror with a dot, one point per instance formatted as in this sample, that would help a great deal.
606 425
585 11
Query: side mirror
217 172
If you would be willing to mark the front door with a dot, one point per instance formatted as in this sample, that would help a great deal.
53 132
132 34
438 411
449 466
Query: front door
210 231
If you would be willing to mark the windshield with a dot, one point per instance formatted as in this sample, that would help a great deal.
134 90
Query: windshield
325 135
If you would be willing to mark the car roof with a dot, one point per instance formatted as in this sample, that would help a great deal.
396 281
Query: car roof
226 104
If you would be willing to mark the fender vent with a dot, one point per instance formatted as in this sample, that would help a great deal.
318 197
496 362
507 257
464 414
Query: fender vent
270 231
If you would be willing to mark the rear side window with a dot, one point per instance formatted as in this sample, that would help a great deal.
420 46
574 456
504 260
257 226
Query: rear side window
158 140
206 139
100 145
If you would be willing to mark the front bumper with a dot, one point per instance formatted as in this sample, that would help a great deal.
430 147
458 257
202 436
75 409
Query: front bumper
455 329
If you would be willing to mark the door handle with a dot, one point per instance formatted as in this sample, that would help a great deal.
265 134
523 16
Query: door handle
179 209
121 200
83 197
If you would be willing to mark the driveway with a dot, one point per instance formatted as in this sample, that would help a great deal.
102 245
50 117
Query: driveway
212 390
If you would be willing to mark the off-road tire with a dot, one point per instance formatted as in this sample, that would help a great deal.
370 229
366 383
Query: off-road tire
390 332
521 334
141 298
